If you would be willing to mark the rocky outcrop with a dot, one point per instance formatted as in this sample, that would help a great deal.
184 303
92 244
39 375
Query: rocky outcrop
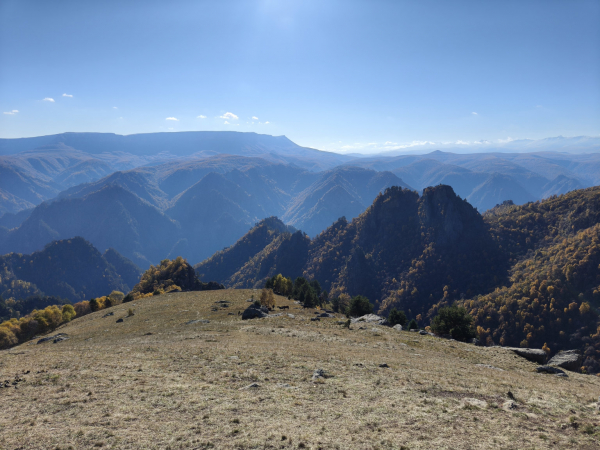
255 312
373 319
567 359
535 355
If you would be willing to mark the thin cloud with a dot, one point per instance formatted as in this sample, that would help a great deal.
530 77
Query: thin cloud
114 107
48 99
267 123
67 95
12 113
226 123
229 116
254 118
201 117
172 118
474 113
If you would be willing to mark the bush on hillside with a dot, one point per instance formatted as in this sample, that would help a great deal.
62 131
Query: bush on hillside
169 275
267 298
455 321
359 306
397 317
412 325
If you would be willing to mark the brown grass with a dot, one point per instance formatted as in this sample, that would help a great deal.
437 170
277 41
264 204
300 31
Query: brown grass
156 382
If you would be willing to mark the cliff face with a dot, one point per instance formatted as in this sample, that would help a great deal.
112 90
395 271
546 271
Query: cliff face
407 251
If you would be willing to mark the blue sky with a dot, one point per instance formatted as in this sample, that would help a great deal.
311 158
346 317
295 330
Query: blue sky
335 75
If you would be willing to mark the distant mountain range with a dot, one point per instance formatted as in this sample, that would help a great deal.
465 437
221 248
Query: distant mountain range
151 196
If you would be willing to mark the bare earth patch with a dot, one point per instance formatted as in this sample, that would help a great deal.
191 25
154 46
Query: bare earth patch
186 372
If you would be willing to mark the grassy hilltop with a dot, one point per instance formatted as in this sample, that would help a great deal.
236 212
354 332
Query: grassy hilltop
167 378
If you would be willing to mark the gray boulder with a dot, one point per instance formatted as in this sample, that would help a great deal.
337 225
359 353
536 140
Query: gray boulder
325 314
397 327
535 355
255 312
373 319
567 359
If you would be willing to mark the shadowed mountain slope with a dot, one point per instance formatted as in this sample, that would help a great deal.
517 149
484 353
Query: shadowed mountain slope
111 217
72 269
221 265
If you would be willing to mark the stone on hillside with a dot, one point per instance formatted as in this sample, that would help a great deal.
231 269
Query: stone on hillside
567 359
315 319
325 314
291 316
319 373
531 354
255 312
371 318
112 313
509 405
397 327
250 386
475 341
423 332
549 369
119 320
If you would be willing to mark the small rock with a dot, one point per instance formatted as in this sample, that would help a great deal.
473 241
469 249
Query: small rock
475 341
249 300
325 314
112 313
487 366
60 338
509 405
397 327
191 322
563 375
548 369
567 359
384 365
291 316
120 320
423 332
251 386
315 319
476 402
319 373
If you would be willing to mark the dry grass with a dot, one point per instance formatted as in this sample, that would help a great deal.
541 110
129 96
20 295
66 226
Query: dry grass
155 381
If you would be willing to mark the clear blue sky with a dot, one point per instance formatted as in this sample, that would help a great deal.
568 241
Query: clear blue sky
336 75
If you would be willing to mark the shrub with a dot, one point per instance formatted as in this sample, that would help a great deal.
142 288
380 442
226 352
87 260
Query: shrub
128 298
267 298
397 317
359 306
68 313
116 298
82 308
455 321
412 325
94 305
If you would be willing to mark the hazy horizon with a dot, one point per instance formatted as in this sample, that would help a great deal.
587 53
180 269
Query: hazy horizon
349 77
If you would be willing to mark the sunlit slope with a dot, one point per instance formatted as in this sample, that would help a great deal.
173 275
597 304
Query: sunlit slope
173 376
